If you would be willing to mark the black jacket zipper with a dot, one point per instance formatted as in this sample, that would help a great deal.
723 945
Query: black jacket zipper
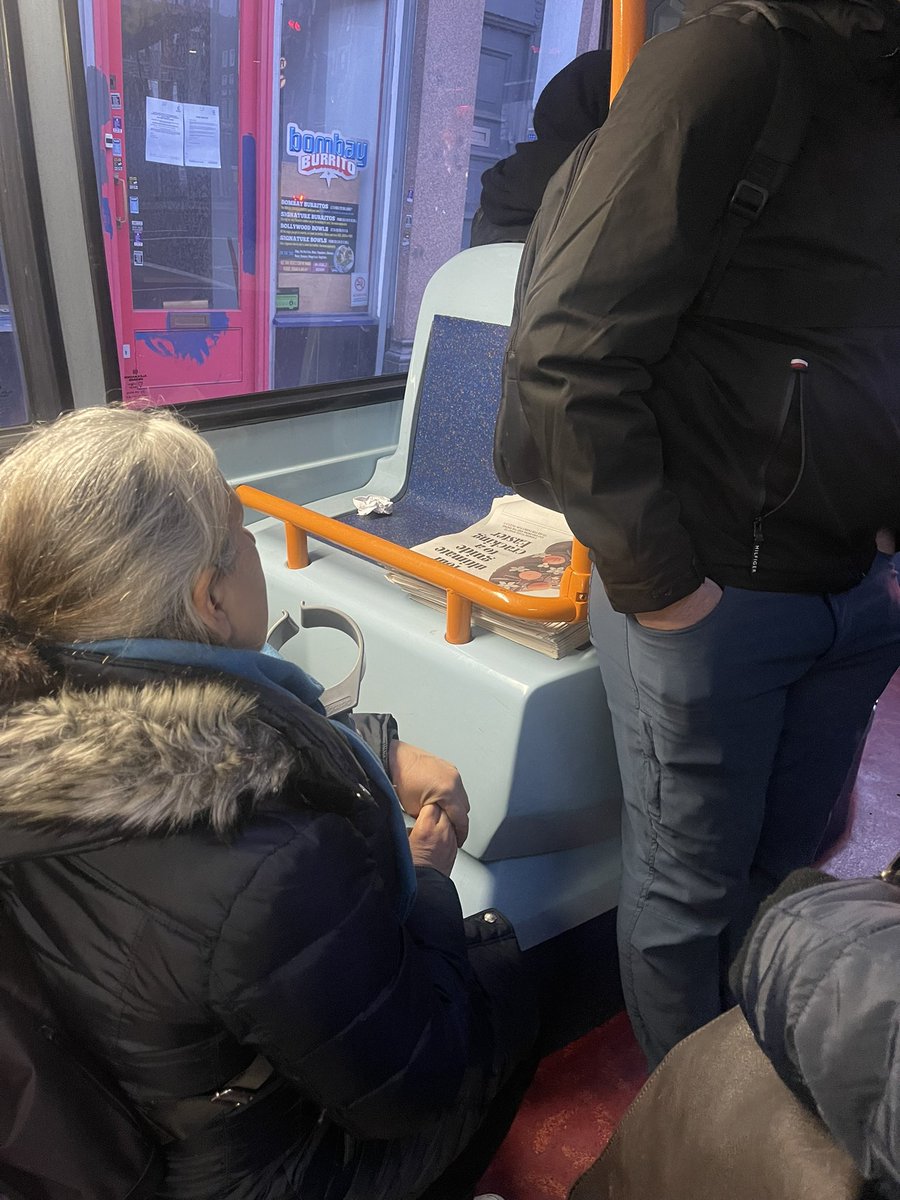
799 367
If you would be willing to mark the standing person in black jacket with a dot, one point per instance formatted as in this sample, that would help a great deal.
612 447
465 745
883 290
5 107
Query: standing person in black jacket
734 468
573 104
213 878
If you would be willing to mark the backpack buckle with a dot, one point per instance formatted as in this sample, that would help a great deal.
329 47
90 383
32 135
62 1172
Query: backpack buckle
237 1097
749 199
243 1089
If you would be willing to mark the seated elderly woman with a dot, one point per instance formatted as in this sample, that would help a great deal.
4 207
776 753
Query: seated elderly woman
213 878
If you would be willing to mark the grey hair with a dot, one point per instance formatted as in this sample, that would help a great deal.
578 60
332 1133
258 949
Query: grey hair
107 519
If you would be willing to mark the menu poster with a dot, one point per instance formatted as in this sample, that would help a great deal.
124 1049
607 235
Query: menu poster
317 236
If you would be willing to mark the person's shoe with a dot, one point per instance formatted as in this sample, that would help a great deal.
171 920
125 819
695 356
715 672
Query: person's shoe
488 1196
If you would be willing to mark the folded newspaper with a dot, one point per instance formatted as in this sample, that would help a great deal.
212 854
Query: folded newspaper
523 548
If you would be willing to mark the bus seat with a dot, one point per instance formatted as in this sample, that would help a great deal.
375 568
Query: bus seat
450 480
531 735
477 287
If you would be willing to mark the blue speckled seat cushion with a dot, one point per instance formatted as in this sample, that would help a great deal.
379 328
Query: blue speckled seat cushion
451 482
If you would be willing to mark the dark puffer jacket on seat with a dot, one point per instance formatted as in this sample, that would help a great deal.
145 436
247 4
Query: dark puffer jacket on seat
818 983
202 873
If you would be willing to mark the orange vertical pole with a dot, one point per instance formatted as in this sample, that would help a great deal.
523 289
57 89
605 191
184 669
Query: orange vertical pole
576 582
629 29
459 619
297 545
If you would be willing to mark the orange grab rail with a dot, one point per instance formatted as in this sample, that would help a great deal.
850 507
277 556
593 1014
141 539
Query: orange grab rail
462 589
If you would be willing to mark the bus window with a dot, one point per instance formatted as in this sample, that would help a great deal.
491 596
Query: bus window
333 164
278 179
13 404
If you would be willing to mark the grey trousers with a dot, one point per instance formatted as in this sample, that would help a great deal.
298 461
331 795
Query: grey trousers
734 739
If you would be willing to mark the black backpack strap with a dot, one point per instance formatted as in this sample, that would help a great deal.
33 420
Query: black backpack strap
774 153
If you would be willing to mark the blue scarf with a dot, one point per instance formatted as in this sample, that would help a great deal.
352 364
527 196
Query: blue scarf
269 669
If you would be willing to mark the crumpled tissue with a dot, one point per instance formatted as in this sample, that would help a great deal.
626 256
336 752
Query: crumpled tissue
368 506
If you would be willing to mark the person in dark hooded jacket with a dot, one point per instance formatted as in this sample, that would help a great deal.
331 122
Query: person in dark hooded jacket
817 981
214 880
573 104
731 460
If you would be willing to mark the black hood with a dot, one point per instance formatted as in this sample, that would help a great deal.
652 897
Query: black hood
576 100
573 104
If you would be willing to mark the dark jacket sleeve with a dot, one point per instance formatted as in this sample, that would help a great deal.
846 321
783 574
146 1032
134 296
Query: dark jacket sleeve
612 278
377 730
485 233
373 1020
820 988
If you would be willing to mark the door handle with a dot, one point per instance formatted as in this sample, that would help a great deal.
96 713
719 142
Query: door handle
119 181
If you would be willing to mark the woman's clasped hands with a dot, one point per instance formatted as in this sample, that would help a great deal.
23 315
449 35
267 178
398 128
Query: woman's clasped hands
431 791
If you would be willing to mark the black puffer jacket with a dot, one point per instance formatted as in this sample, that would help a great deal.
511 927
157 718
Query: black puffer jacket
202 873
669 437
817 979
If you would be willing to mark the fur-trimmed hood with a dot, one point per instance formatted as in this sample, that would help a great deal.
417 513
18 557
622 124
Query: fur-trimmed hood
93 751
141 759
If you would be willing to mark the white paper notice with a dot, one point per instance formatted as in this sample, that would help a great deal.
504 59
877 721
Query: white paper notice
165 132
201 136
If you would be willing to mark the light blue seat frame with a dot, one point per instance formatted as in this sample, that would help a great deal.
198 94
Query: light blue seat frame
530 735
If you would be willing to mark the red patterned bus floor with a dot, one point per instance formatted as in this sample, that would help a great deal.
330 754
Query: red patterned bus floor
581 1091
568 1114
